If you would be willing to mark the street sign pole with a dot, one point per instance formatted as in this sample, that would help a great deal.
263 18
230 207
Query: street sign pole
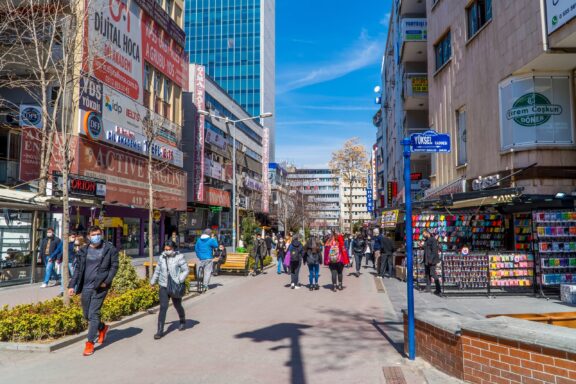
409 253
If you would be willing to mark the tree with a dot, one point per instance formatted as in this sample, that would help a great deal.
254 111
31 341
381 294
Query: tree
44 62
350 164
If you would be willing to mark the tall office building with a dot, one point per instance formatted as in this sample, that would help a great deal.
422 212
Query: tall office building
235 41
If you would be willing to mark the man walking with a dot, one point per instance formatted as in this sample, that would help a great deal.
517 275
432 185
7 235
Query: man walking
387 257
268 241
431 258
204 249
258 253
96 265
48 254
377 246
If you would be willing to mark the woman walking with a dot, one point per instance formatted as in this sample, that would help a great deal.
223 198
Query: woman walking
313 259
296 255
280 254
171 265
358 248
336 256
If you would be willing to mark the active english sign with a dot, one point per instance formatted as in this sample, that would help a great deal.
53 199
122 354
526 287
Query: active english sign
430 141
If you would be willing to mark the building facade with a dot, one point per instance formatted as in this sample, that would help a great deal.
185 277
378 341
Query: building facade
404 101
320 191
208 159
278 180
502 85
357 199
235 41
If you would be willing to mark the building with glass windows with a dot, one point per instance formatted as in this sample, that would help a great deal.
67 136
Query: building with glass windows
235 41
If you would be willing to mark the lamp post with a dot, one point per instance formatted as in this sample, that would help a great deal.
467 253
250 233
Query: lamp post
228 121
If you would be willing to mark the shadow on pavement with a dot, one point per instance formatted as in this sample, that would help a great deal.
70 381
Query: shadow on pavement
175 324
115 335
280 332
396 327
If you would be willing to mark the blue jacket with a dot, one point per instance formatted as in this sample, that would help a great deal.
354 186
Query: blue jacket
204 247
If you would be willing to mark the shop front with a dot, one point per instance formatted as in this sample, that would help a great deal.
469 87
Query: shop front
213 212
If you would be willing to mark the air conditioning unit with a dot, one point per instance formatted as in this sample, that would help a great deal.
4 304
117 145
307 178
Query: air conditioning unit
209 105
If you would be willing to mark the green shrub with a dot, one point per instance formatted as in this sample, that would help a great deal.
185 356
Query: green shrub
241 250
126 278
51 319
267 261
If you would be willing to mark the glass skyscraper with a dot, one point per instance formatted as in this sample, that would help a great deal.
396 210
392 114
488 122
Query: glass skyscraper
234 40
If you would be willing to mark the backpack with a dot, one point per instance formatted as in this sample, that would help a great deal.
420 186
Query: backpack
334 255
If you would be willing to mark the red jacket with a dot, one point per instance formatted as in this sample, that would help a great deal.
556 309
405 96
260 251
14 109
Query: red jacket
343 251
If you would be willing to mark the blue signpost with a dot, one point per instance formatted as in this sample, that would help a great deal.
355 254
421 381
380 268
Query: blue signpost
429 141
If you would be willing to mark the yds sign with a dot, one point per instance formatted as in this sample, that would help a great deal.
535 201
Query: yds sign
30 116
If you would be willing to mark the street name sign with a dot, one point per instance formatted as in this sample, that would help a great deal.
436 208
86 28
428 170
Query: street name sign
430 141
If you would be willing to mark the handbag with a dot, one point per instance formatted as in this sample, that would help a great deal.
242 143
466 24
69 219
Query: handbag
287 258
175 290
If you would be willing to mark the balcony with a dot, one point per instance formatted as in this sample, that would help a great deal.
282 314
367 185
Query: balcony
414 34
415 91
411 7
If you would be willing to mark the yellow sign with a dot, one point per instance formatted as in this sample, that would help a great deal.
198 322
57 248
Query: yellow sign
157 215
390 218
420 84
110 222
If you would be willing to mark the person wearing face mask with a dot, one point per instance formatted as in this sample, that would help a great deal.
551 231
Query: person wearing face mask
96 266
219 259
47 254
171 264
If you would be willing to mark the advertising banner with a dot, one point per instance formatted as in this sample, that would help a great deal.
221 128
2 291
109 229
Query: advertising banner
217 197
213 169
215 139
199 85
265 158
536 110
113 45
558 13
126 177
163 53
252 184
30 154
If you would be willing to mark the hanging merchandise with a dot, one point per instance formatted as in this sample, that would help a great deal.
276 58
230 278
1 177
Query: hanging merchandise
523 232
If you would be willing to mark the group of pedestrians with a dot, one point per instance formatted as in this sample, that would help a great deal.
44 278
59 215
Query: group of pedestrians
377 249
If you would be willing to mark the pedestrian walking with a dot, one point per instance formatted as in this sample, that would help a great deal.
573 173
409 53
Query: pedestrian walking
281 249
358 248
368 252
296 256
71 258
204 249
336 257
171 265
268 241
387 257
96 266
219 258
47 254
259 252
431 259
376 247
313 257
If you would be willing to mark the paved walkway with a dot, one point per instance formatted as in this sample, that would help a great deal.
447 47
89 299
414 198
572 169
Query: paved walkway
248 330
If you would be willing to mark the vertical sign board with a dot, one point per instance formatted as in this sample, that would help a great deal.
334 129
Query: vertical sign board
265 159
369 195
30 118
199 87
558 13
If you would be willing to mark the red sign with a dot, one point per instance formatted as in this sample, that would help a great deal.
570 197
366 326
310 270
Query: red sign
163 52
30 153
126 176
415 176
217 197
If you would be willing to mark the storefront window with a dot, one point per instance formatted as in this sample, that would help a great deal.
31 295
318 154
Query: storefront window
130 239
536 111
15 247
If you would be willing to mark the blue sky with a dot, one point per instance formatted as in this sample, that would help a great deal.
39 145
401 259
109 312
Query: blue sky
328 59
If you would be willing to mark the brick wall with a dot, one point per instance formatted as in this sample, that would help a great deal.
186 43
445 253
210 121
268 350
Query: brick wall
482 359
490 360
440 348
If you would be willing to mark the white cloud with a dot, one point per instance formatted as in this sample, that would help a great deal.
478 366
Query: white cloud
364 52
385 20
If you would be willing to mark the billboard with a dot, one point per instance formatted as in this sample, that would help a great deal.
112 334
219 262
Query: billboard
30 154
265 159
198 85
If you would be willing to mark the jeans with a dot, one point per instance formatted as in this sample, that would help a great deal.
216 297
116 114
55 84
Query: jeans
217 265
386 267
164 299
336 270
258 260
280 262
92 300
50 273
314 273
295 271
208 265
370 257
430 272
358 261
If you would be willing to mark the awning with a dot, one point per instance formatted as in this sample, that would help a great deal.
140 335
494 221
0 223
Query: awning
14 199
480 198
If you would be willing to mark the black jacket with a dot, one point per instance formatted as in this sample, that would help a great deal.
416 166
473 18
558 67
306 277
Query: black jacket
220 254
106 271
281 249
358 246
268 241
296 251
431 256
313 251
53 245
386 246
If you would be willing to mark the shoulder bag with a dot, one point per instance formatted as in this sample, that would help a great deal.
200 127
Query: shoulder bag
175 289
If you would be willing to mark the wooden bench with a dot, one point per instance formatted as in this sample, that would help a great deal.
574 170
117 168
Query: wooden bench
191 266
236 262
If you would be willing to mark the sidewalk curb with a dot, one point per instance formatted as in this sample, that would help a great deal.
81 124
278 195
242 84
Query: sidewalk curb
69 340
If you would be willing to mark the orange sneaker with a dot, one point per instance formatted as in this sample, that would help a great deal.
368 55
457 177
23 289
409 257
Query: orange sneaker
102 334
89 348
